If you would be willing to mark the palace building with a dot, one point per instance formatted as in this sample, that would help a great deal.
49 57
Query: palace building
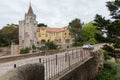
30 34
60 36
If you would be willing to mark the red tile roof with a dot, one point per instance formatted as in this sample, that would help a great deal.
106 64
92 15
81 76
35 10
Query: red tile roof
48 29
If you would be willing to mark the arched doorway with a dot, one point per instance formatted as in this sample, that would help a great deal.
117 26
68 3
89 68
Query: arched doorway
43 42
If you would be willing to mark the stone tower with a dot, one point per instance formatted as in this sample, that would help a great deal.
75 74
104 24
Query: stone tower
27 29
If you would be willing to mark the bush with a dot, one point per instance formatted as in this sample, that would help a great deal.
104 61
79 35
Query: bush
50 45
77 44
24 50
33 47
41 48
108 72
107 55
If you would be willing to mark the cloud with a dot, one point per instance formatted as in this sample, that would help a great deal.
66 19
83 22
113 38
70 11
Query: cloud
54 13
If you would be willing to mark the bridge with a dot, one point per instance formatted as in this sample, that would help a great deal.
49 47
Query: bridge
56 66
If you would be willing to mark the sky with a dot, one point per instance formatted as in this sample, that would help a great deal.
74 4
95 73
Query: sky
54 13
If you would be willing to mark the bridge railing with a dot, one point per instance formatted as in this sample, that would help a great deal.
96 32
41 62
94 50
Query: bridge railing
56 65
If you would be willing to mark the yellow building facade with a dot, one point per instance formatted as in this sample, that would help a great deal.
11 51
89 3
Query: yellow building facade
60 36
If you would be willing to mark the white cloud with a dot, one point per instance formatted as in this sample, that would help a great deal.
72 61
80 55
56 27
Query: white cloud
54 13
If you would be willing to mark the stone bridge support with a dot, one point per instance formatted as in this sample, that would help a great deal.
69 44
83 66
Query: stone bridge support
26 72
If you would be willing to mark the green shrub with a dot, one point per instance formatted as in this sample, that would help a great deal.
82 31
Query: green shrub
108 73
107 55
111 71
33 46
41 48
77 44
50 45
24 50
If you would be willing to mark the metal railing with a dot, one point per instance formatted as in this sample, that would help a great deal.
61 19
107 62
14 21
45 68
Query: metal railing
56 65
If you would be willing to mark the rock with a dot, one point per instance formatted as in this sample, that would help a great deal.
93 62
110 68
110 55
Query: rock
26 72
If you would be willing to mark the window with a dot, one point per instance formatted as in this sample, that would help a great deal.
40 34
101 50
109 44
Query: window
37 42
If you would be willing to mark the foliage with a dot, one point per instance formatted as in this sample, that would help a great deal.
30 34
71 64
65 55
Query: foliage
92 41
41 48
75 28
8 33
110 50
107 55
112 25
90 30
87 34
101 22
50 45
108 73
77 44
24 50
116 43
3 40
42 25
33 46
111 71
99 37
114 7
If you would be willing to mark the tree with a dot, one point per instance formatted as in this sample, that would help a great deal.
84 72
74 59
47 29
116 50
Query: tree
8 33
114 8
101 22
42 25
88 33
75 28
112 25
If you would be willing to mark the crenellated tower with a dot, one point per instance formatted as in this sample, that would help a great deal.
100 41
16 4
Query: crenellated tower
27 29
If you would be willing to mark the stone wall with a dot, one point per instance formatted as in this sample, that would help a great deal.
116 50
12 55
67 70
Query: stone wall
87 70
26 72
15 49
4 51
